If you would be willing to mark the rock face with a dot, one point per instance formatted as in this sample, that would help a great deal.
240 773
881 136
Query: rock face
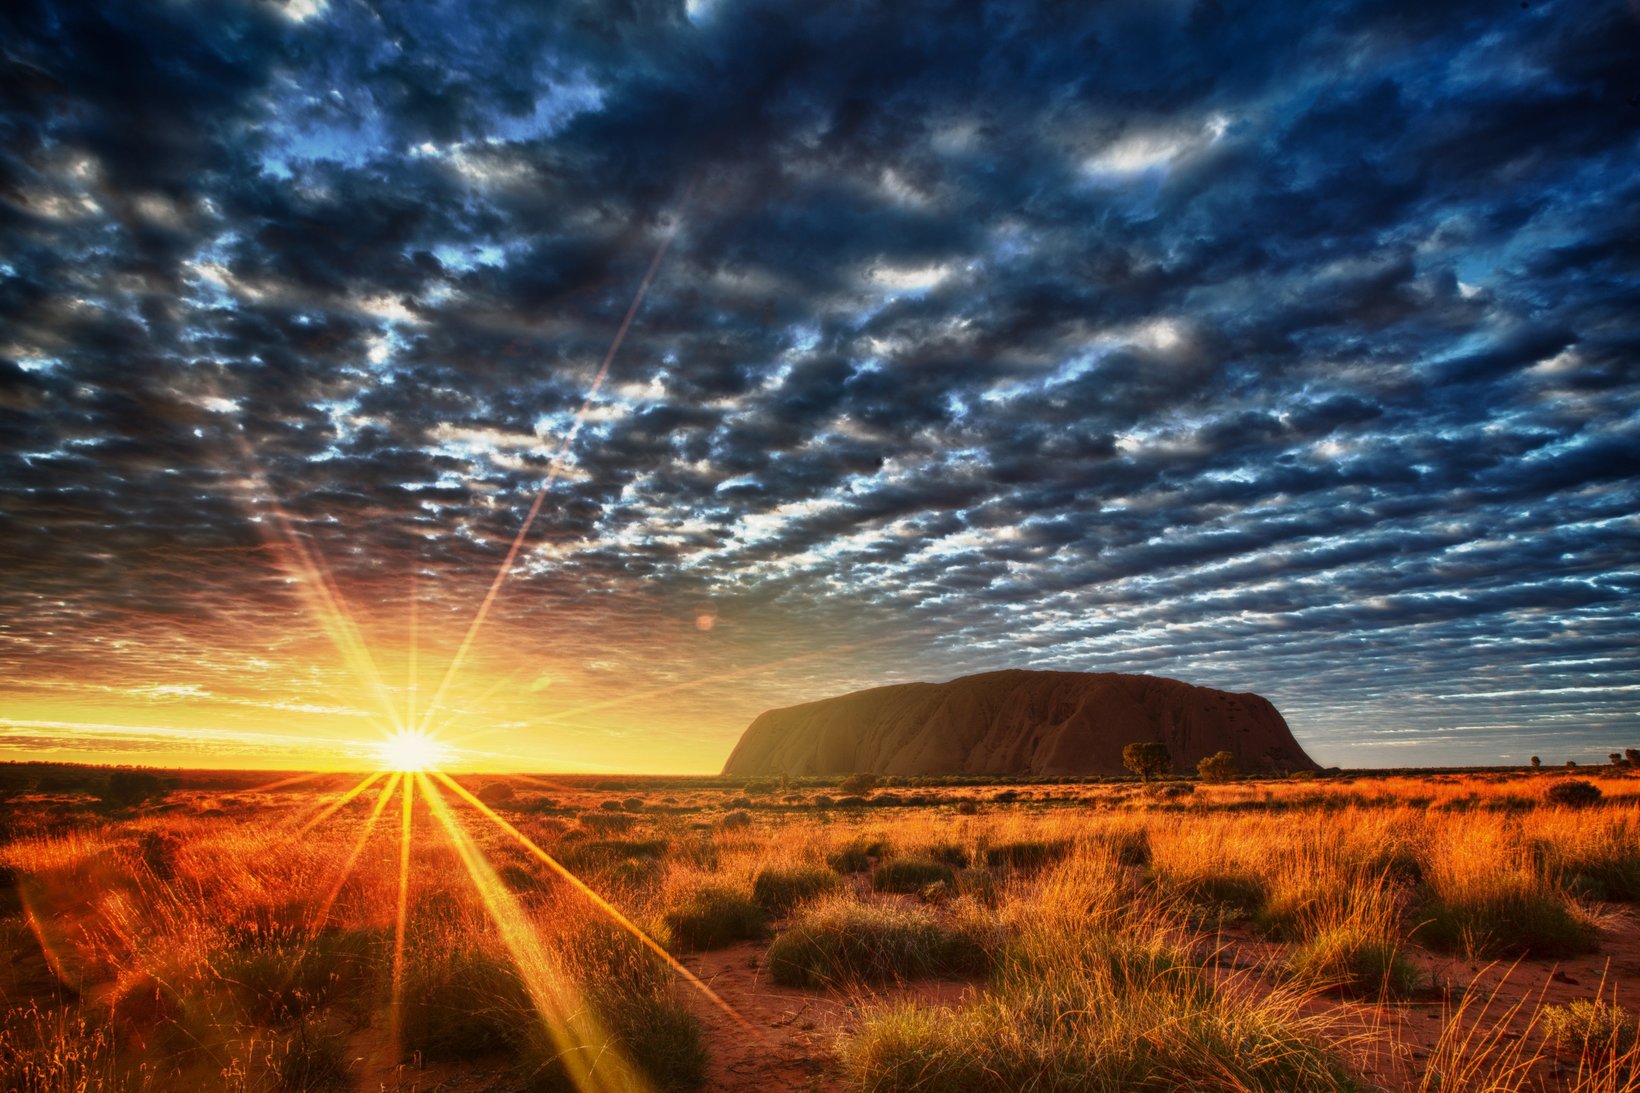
1016 722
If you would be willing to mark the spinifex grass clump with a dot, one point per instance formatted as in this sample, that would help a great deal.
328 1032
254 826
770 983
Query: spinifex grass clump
1355 957
779 890
714 915
1027 854
1589 1026
1593 854
1101 1012
1196 863
856 856
633 992
911 875
462 999
1486 898
837 941
280 981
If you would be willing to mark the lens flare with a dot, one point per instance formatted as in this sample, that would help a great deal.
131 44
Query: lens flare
409 752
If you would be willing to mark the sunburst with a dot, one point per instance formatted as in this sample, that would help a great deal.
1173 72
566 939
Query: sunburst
411 751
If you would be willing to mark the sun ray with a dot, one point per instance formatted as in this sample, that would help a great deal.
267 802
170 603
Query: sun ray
336 806
415 645
327 606
305 568
590 1059
386 795
597 901
293 780
553 470
395 1003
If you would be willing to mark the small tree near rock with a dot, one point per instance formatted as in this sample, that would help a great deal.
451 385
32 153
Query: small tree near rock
1147 760
1633 756
1218 767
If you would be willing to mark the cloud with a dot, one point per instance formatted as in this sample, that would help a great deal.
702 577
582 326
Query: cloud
1285 354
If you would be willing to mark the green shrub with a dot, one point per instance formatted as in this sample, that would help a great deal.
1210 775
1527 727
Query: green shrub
911 875
1606 867
779 890
714 916
631 989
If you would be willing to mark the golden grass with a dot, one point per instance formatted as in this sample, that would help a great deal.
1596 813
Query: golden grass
1110 939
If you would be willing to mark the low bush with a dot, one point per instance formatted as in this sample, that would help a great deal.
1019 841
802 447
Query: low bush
607 823
736 820
1129 846
1573 793
494 793
310 1061
1232 890
280 981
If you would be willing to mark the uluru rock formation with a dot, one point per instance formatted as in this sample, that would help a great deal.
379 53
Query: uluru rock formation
1015 722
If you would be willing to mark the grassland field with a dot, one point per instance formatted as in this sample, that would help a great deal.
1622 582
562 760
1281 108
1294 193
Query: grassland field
1404 931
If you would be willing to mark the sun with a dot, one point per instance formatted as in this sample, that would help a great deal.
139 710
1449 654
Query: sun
410 751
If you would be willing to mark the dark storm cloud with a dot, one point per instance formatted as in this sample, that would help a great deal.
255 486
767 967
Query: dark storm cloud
1281 351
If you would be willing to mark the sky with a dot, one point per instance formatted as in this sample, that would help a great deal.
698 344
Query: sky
1280 348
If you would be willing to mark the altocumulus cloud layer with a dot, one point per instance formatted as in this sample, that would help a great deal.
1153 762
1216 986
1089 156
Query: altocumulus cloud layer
1281 348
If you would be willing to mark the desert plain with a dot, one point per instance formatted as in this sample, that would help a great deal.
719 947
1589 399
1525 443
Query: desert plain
411 930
